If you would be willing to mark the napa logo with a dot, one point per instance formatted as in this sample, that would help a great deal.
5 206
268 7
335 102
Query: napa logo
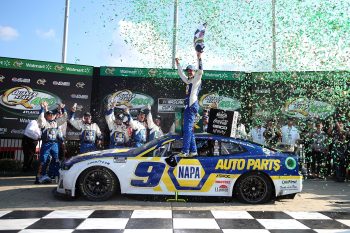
189 172
307 108
128 99
222 102
25 98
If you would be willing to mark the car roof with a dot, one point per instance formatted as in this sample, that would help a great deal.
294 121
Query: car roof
220 138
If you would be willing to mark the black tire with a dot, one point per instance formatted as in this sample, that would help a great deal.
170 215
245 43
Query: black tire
254 188
98 183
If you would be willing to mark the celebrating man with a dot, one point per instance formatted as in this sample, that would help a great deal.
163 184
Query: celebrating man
118 131
193 81
90 132
50 137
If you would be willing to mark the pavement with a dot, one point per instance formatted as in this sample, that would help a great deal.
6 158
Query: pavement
20 193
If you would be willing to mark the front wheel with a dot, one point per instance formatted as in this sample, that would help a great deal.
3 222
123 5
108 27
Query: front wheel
98 183
254 188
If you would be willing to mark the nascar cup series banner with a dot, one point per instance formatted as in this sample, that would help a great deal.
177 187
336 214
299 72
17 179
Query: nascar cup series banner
24 84
163 89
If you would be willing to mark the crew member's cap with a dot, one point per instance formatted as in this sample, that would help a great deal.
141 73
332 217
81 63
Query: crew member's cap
50 112
158 117
190 67
142 111
87 114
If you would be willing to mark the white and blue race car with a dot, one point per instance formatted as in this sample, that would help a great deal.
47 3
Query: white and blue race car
225 167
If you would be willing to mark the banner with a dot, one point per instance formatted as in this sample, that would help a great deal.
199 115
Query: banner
301 95
222 122
135 88
24 84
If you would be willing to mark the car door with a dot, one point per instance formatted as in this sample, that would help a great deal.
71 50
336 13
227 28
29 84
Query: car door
193 173
148 171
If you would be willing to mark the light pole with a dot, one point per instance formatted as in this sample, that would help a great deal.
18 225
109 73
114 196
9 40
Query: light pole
175 32
65 33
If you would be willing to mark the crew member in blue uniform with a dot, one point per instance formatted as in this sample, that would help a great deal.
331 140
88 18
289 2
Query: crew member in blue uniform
119 135
193 81
90 132
50 137
139 127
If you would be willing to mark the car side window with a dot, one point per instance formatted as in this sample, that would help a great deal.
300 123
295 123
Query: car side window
205 147
158 152
229 148
176 146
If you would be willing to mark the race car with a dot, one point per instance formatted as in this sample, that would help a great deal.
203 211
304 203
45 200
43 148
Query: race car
224 167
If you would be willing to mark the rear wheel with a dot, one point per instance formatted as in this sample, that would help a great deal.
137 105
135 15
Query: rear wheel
98 183
254 188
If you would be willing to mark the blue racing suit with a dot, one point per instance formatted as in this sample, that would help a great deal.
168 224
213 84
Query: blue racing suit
50 138
139 132
191 107
118 132
89 134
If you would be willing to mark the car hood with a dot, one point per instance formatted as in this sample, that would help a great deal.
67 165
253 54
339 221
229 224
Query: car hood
117 152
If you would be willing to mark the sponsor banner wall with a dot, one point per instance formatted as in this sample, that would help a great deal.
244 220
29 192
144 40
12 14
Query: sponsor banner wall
24 84
301 95
304 96
164 91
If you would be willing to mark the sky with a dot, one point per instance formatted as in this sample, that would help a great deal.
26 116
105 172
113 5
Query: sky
310 34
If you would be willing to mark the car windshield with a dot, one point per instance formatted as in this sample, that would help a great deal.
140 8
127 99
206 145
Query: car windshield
149 144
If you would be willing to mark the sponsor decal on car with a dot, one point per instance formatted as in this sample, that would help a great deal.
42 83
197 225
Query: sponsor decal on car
223 181
188 172
289 181
98 162
221 188
248 164
119 160
223 175
290 163
289 185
